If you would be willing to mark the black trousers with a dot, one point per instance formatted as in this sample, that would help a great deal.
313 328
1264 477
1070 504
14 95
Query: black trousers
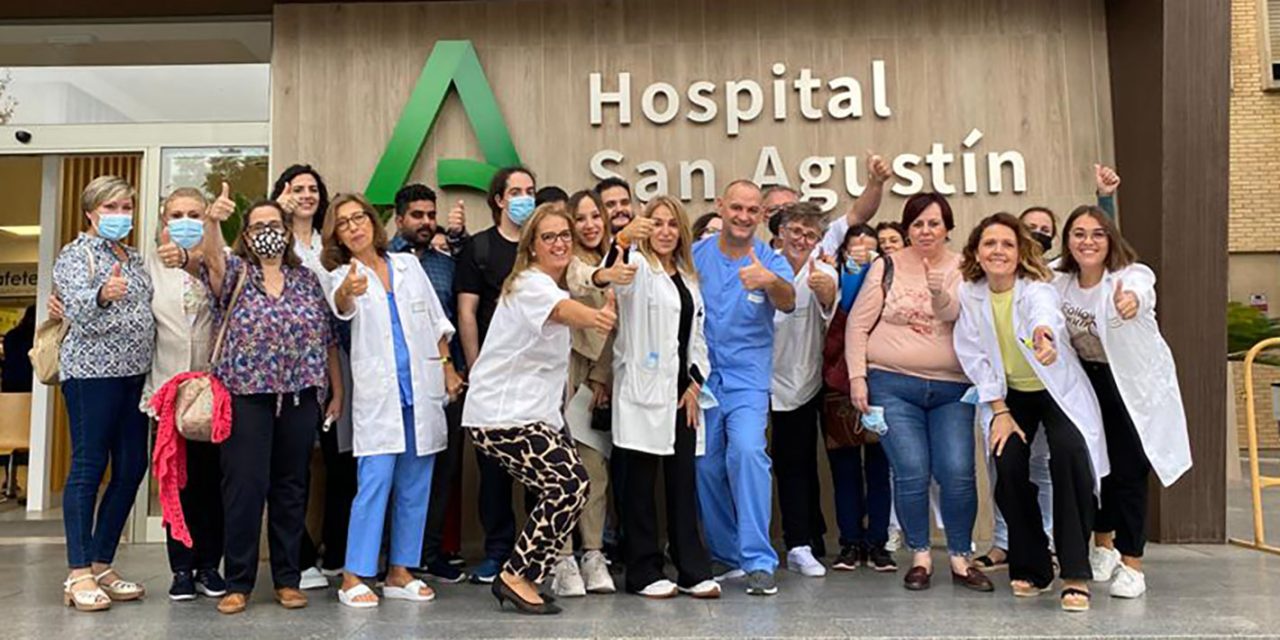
265 462
640 515
1018 497
1123 507
794 449
448 463
202 506
339 491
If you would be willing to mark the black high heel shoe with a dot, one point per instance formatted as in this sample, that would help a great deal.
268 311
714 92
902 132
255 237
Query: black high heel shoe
505 593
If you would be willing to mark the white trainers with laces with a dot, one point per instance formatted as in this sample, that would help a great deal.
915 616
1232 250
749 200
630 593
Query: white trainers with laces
706 589
661 589
567 582
1104 562
801 560
311 578
595 571
1129 583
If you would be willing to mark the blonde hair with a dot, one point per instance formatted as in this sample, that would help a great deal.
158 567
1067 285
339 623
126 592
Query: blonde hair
528 235
683 253
177 194
103 189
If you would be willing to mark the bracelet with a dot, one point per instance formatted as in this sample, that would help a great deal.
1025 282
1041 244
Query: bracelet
186 257
445 360
1002 412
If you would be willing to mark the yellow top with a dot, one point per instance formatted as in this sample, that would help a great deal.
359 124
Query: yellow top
1018 373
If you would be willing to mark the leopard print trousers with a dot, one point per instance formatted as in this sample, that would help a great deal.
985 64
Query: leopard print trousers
543 458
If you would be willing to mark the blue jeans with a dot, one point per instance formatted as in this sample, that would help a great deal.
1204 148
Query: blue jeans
930 435
856 499
403 481
106 426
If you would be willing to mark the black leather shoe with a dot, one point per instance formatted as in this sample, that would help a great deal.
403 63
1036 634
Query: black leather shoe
505 593
972 579
917 579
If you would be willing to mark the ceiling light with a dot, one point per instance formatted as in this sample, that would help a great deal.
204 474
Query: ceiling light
21 230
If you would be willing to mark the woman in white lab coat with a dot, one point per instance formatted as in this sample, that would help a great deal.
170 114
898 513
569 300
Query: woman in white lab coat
398 332
1109 300
659 362
1011 341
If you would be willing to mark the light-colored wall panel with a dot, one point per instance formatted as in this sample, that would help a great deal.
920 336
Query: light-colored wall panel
1030 75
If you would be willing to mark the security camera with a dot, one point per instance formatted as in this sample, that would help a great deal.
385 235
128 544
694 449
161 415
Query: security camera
23 136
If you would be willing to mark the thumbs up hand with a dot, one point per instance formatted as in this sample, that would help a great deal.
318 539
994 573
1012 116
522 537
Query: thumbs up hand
115 287
457 222
356 283
821 284
607 316
754 276
934 278
171 255
1042 342
1106 178
223 207
877 169
1126 301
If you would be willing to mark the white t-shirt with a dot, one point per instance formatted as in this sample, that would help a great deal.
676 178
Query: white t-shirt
523 368
1079 305
798 339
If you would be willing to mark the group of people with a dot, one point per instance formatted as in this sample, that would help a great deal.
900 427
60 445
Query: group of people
588 345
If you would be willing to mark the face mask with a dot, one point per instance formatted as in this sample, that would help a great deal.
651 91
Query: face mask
1045 240
874 421
186 232
268 243
852 266
519 209
115 226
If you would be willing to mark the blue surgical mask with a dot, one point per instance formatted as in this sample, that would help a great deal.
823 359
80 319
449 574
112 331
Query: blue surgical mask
520 208
874 422
852 266
115 226
186 232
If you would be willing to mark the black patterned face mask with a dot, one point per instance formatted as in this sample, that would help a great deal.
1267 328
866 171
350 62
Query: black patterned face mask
268 243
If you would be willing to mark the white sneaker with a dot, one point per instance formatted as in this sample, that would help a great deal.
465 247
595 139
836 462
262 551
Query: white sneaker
706 589
1129 583
1104 562
801 560
311 578
895 540
660 589
731 574
568 580
596 573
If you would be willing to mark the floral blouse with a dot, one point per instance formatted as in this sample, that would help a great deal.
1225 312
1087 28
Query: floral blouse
273 345
104 341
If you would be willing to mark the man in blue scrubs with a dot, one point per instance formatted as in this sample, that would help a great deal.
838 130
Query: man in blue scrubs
743 283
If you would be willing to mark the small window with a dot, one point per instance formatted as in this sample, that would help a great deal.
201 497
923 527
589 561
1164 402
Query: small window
1270 41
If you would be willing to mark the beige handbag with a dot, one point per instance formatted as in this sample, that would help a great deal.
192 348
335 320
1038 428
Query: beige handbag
193 410
47 346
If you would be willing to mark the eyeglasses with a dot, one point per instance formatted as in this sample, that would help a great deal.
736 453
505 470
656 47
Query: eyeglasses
345 224
800 232
263 226
551 237
1097 235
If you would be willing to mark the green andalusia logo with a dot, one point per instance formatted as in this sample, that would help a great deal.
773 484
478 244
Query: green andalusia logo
452 63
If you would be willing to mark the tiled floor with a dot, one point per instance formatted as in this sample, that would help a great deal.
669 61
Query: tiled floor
1195 591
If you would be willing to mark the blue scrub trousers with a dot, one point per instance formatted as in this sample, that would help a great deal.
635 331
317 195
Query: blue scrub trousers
735 488
402 480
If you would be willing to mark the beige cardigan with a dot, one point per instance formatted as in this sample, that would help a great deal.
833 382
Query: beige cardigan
180 345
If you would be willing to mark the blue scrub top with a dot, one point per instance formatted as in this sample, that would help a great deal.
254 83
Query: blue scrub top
739 323
404 372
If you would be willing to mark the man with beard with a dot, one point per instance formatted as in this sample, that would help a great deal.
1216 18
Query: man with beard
615 193
415 226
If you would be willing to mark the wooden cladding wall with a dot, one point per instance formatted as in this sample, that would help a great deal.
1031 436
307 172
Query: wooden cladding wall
77 172
1031 76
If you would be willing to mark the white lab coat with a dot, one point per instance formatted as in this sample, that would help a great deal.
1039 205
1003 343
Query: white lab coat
377 424
798 339
1035 304
644 397
1144 370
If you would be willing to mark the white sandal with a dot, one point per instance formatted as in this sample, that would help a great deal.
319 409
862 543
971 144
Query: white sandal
120 590
411 591
85 599
348 597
